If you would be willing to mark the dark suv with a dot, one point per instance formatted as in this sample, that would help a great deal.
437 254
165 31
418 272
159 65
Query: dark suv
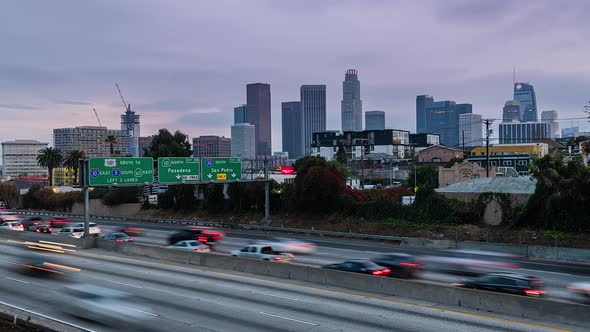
206 235
401 265
512 283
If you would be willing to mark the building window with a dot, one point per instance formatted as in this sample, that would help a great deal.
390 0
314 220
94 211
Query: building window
493 163
436 160
507 163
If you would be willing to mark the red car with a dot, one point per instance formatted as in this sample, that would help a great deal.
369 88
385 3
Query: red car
59 222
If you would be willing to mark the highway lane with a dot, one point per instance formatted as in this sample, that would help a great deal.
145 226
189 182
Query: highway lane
184 298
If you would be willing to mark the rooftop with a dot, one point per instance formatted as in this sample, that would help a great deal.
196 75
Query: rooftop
498 184
24 142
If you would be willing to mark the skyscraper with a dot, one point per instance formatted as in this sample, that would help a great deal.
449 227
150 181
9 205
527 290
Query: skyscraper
525 94
240 114
374 120
511 111
552 118
258 114
313 112
91 140
243 141
352 105
130 123
470 129
20 158
440 117
292 122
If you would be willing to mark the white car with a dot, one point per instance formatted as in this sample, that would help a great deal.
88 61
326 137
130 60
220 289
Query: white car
263 252
190 245
75 232
580 291
13 226
9 216
284 244
93 227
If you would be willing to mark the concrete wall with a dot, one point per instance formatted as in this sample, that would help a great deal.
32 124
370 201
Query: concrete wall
96 207
522 307
34 237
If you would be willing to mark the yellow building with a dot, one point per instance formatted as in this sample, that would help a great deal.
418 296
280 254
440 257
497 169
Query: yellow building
63 176
538 150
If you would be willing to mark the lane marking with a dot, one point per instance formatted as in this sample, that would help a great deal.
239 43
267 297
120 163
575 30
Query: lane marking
13 279
503 320
124 284
278 296
291 319
143 312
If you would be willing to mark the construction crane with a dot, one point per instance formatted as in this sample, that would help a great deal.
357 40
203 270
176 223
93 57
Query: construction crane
97 118
127 106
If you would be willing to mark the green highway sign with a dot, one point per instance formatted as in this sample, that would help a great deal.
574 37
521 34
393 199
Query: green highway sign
221 169
178 170
120 171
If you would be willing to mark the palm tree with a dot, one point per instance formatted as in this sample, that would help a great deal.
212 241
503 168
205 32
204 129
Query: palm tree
112 140
50 158
73 161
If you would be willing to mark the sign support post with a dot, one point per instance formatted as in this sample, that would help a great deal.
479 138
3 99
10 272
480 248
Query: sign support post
266 220
84 182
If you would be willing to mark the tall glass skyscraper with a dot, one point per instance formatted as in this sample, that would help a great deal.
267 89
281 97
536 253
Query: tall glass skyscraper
292 121
524 93
240 114
258 114
352 105
374 120
440 117
511 111
313 112
552 118
130 123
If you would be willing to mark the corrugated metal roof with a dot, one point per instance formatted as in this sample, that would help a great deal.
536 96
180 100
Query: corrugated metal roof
498 184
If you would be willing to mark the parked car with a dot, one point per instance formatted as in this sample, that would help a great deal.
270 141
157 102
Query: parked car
401 265
263 252
76 232
12 225
580 291
359 266
58 222
190 245
92 227
40 229
283 244
512 283
118 237
206 235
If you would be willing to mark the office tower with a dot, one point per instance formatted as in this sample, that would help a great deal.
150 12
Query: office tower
20 158
130 124
440 117
292 122
511 111
523 132
243 141
91 140
258 114
240 114
470 129
374 120
211 146
313 113
352 105
524 93
552 118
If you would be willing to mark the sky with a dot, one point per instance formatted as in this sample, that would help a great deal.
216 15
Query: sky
184 65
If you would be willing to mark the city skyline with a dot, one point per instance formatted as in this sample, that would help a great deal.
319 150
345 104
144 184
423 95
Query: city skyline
59 74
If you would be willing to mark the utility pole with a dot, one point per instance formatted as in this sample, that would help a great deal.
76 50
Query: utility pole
463 134
266 220
488 123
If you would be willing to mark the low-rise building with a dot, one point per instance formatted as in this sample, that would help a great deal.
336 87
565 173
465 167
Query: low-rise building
461 172
517 156
26 182
64 176
211 146
438 154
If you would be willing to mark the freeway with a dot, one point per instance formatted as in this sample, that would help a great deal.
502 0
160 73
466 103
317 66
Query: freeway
175 297
337 250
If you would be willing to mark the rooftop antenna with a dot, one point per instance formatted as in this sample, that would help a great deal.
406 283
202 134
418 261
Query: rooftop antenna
513 74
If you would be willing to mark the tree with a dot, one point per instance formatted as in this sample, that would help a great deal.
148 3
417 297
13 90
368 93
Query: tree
341 154
425 175
112 140
453 161
166 144
50 158
8 194
72 161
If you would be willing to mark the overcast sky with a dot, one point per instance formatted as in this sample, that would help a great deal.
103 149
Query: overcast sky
184 64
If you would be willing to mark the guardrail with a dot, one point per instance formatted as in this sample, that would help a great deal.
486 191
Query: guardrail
46 317
401 240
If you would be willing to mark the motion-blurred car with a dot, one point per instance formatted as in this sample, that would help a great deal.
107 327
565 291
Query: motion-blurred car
40 229
470 262
46 266
512 283
263 252
93 228
580 291
12 225
284 244
359 266
32 221
75 232
9 216
401 265
206 235
134 231
58 222
107 306
190 245
118 237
